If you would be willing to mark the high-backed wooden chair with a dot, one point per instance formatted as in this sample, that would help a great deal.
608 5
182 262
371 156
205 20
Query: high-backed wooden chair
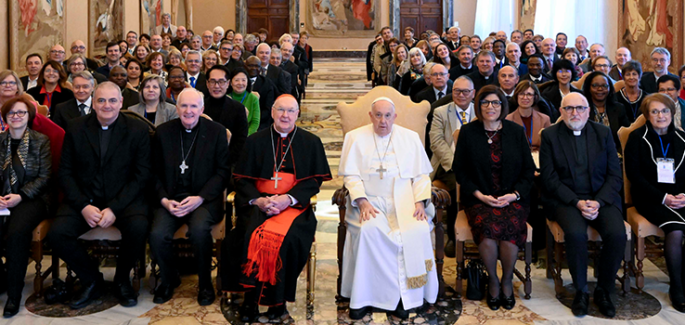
640 226
409 115
463 234
619 85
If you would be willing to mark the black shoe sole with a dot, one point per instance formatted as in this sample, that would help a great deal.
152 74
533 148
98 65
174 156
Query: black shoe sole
159 300
86 303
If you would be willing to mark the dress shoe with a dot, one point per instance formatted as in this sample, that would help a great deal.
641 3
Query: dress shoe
450 249
358 314
248 312
400 312
580 304
603 301
493 302
677 299
206 296
124 292
88 294
57 292
11 307
276 312
507 303
165 291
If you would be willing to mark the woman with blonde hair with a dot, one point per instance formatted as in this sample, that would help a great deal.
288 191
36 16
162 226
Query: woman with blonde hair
209 59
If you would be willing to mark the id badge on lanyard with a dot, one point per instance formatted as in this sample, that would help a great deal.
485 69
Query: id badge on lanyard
665 170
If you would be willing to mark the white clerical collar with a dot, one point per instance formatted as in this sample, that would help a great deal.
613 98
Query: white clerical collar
253 79
283 135
577 133
465 68
511 94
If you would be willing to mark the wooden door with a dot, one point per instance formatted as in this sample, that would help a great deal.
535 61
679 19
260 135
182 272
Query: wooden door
270 14
421 15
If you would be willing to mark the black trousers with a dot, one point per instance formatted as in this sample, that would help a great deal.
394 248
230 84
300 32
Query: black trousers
18 228
63 238
609 225
200 223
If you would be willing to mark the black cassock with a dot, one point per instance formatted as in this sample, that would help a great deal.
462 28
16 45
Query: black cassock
307 161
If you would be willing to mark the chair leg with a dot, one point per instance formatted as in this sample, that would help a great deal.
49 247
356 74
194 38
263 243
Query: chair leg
311 276
558 282
55 266
218 266
154 276
640 256
625 280
528 286
460 267
37 249
550 254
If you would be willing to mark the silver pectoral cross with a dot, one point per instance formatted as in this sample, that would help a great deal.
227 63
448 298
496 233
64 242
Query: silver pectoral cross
381 170
276 178
183 167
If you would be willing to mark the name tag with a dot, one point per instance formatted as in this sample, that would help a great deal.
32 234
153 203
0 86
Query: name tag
665 170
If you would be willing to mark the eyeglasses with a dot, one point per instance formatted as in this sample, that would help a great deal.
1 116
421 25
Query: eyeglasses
655 60
213 82
529 95
493 103
226 49
579 109
8 83
56 52
176 77
77 64
82 48
439 74
283 110
602 66
193 61
663 111
17 113
667 89
600 86
462 91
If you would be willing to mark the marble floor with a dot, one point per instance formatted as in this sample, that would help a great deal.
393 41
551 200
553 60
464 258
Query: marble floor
336 80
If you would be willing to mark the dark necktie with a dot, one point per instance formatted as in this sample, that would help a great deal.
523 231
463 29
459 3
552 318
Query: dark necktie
82 109
549 62
440 94
192 82
263 72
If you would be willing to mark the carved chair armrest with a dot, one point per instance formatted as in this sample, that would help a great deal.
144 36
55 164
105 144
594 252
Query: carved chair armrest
441 199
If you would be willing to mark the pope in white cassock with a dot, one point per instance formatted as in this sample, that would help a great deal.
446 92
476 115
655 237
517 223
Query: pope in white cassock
388 259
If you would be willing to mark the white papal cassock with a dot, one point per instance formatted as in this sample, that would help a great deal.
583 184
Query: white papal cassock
391 256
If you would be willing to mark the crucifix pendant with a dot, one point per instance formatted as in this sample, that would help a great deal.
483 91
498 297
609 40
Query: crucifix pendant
489 141
381 170
183 167
276 178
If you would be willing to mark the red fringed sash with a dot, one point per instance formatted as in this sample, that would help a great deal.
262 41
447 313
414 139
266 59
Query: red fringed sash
265 242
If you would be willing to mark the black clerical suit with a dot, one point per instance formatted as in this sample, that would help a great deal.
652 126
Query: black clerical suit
267 97
230 114
257 164
584 167
206 147
458 71
107 169
65 112
279 79
479 80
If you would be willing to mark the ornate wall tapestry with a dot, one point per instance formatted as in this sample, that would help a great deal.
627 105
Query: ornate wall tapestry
343 18
106 24
35 26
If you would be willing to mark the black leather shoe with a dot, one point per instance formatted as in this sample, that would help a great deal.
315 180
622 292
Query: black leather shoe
450 249
493 302
507 303
248 312
358 314
163 293
276 312
580 304
603 301
57 292
88 294
677 300
11 307
400 312
125 294
206 296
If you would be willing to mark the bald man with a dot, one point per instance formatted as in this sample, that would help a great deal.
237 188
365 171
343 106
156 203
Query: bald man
507 78
104 170
549 48
274 73
79 47
582 179
191 179
622 56
57 53
269 246
388 255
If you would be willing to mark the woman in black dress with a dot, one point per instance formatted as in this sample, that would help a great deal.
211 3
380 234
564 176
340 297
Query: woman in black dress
631 95
658 143
494 168
604 108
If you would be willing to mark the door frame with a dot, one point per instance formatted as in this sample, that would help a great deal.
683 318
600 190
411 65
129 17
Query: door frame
447 16
241 16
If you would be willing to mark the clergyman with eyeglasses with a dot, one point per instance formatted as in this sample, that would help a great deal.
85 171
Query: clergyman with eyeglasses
279 171
581 179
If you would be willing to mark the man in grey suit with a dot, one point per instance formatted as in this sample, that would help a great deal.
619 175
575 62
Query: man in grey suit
446 120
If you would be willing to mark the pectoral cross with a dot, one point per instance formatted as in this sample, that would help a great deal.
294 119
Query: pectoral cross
183 167
276 178
381 170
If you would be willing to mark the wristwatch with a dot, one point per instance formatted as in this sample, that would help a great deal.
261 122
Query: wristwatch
518 197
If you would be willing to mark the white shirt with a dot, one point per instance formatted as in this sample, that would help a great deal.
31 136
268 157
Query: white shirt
31 83
194 76
88 103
